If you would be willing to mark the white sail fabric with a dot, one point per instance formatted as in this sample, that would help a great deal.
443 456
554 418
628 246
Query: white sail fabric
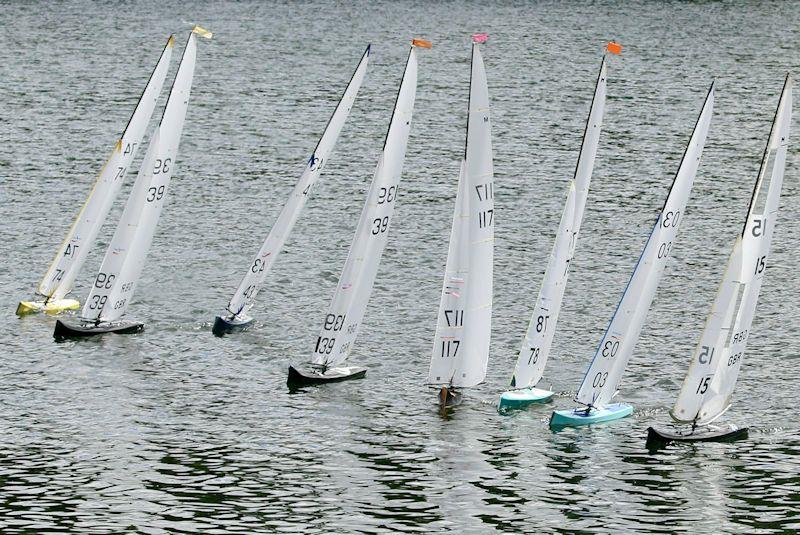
615 349
538 340
244 298
714 368
461 345
61 274
450 324
122 265
349 303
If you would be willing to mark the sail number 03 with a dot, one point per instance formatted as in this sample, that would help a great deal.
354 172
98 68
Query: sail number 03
671 219
599 380
610 348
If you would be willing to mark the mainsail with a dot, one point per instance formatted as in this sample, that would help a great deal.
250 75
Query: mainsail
460 351
538 340
343 320
61 274
717 359
115 283
244 298
616 347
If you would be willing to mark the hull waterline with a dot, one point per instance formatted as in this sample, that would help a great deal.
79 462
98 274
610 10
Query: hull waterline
314 375
660 437
53 307
82 329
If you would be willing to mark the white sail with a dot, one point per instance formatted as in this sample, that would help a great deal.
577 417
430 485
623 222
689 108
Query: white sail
615 348
122 265
450 324
244 298
61 274
717 359
349 303
538 340
461 345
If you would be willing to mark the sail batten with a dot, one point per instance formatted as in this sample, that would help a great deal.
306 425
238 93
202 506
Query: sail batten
717 359
602 379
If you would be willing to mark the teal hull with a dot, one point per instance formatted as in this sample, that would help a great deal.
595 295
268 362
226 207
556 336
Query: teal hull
518 399
576 417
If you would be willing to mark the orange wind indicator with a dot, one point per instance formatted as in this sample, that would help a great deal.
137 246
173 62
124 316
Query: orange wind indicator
422 43
614 48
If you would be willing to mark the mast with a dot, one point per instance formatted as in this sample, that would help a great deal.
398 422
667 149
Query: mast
616 347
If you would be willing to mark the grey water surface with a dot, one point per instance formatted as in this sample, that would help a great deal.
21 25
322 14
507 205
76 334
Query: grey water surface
176 431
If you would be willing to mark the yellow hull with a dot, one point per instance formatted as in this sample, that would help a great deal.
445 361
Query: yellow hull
52 308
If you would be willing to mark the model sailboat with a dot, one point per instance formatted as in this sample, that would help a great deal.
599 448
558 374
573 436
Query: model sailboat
616 347
716 361
122 265
346 312
538 339
460 351
235 317
60 276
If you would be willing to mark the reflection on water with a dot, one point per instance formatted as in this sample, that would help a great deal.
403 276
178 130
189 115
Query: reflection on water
176 431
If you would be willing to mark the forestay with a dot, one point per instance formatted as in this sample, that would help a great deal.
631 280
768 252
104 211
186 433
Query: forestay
349 303
715 364
115 283
72 254
538 340
461 345
615 348
244 298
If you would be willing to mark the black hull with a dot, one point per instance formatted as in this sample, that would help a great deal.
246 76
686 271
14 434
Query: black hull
223 326
308 375
658 438
66 329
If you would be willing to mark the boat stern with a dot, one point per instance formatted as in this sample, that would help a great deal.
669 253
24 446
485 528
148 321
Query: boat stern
223 326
